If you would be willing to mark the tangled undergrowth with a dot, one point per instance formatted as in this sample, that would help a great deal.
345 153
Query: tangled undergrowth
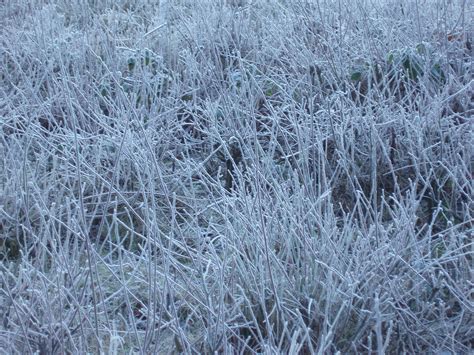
236 177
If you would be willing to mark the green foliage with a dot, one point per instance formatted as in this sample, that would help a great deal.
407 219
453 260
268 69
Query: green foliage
187 97
439 250
9 249
363 70
271 89
356 75
145 60
416 63
131 63
144 79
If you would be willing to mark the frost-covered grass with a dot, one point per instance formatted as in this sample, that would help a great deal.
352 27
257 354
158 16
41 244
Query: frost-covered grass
260 176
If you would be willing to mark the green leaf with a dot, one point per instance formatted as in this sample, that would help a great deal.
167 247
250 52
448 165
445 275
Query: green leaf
439 250
187 97
271 91
356 76
391 58
437 74
219 113
147 57
421 48
131 64
412 66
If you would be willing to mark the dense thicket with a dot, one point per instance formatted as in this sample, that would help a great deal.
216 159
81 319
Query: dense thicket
236 176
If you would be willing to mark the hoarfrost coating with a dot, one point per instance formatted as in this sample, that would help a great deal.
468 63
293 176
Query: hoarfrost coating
236 177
